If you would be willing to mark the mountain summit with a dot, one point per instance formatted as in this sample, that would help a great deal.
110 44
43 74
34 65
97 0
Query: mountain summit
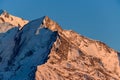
41 50
8 21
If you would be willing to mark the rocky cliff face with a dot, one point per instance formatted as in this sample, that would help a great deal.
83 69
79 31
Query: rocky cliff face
42 50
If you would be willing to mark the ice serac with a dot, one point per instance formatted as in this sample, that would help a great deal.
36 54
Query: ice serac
75 57
8 21
22 50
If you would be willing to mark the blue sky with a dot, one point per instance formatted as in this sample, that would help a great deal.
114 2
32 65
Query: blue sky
96 19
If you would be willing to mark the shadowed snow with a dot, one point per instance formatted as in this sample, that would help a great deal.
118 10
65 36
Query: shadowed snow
23 50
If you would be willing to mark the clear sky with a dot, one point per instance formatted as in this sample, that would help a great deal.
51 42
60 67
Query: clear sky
96 19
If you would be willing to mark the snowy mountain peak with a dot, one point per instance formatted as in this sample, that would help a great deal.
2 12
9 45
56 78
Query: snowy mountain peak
42 50
24 49
50 24
8 21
